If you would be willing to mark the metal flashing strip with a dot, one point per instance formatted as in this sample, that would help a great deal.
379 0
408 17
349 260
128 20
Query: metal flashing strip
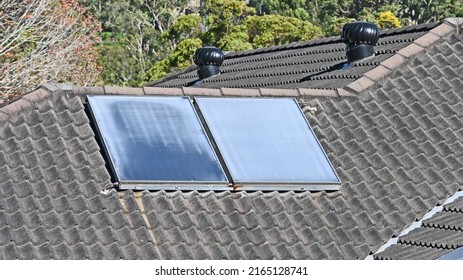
174 186
304 186
416 224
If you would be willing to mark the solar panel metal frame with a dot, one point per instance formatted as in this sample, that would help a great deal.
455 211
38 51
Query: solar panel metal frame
270 185
159 185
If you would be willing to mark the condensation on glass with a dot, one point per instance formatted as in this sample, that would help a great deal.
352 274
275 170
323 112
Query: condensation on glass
267 144
156 143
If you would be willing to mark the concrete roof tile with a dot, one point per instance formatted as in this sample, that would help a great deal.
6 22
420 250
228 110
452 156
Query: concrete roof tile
411 50
123 90
162 91
13 109
378 73
36 95
317 92
360 84
89 90
268 92
4 117
394 62
52 87
345 92
427 40
240 92
443 29
197 91
391 146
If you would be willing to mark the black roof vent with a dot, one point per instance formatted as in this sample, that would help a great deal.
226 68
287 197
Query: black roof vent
359 37
208 60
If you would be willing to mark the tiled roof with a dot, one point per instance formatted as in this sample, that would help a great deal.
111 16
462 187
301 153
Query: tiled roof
396 145
437 236
302 65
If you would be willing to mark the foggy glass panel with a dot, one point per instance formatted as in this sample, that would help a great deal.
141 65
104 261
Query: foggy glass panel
266 141
155 139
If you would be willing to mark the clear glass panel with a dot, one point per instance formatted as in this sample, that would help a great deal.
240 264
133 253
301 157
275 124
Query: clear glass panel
155 139
266 141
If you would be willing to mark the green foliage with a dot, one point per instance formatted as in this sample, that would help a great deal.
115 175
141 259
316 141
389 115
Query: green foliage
334 26
132 34
270 30
237 40
145 39
231 26
289 8
120 65
329 14
186 26
419 11
387 20
159 70
221 16
215 26
181 57
266 31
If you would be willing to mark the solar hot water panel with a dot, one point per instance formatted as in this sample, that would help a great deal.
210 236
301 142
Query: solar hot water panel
156 143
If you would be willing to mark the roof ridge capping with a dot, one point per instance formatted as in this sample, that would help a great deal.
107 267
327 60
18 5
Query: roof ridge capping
199 91
386 67
24 102
457 22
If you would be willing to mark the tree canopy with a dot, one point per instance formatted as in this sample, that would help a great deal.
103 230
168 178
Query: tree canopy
328 14
131 33
130 42
232 26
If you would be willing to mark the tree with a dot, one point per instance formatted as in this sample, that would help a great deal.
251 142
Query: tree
186 26
217 18
270 30
181 58
290 8
46 41
330 14
420 11
146 39
231 26
221 17
131 36
387 20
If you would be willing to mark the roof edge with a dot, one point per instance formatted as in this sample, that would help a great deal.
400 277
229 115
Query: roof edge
27 100
386 67
224 92
457 22
11 109
55 87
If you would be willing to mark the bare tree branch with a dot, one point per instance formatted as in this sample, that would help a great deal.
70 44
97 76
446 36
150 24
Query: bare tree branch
45 41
